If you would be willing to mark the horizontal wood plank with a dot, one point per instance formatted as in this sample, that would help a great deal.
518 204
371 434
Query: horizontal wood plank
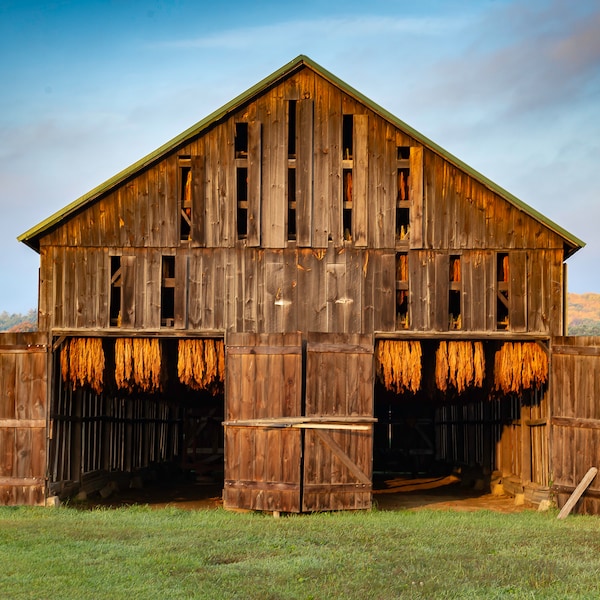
22 481
23 423
264 350
295 421
576 350
576 422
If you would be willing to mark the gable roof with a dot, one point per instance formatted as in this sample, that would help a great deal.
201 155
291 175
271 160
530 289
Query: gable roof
32 236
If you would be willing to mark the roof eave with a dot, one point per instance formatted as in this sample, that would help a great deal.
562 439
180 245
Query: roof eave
31 237
571 241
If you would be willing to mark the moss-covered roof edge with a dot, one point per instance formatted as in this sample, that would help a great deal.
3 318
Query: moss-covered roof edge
31 236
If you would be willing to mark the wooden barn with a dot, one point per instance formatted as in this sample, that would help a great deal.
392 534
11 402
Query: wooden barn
298 293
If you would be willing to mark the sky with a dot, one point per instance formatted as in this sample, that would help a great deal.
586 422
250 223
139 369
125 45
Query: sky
87 88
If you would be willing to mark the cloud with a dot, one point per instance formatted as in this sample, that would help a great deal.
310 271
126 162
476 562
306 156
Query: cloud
329 30
524 60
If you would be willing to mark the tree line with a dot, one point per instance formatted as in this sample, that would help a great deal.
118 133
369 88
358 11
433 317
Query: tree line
18 321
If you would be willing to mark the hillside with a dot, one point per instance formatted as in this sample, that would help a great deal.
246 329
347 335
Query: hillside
18 322
584 314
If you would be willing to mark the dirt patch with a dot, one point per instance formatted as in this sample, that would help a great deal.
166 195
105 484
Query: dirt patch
441 493
438 493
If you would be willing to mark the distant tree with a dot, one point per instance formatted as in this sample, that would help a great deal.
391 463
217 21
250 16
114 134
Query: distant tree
584 327
17 322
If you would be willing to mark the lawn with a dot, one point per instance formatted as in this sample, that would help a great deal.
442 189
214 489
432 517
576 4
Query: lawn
140 552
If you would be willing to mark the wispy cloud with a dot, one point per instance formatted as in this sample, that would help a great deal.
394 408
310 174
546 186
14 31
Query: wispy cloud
539 60
329 29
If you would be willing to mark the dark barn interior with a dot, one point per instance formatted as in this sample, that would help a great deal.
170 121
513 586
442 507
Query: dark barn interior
152 428
156 431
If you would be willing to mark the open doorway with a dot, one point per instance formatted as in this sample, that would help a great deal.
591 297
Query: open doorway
136 417
473 413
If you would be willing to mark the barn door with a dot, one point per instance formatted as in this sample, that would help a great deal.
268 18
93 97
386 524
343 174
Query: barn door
23 385
576 418
283 453
263 396
338 434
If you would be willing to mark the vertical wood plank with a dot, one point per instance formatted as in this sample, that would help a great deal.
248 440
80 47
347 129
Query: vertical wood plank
254 182
198 212
181 290
517 294
360 177
272 113
128 290
264 474
304 171
415 193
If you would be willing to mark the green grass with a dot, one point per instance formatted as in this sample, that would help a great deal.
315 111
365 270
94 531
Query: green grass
143 553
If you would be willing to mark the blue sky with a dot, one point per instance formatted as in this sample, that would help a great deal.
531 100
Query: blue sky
89 87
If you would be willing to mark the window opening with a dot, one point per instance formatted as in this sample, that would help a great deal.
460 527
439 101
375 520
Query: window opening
502 299
242 202
185 198
454 295
116 279
241 175
291 219
167 292
241 140
402 224
402 193
347 136
347 204
403 152
292 129
402 290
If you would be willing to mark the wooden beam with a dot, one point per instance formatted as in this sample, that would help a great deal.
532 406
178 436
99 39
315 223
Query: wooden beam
21 481
331 422
579 490
576 350
558 488
576 422
344 458
22 423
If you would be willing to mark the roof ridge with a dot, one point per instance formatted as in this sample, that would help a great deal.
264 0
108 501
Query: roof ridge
31 236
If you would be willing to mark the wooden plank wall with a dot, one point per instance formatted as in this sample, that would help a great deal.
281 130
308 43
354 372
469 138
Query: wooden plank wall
450 214
262 462
338 462
23 389
284 290
251 290
575 419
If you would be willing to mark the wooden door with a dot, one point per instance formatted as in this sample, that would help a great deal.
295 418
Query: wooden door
23 385
575 422
338 433
281 455
263 395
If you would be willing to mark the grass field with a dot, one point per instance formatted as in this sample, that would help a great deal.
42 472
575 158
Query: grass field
142 553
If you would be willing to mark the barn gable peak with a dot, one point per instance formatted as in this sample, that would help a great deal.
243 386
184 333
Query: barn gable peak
32 236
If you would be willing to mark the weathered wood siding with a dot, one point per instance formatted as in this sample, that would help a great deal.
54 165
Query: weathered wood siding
290 452
338 458
263 462
336 290
576 418
302 260
23 388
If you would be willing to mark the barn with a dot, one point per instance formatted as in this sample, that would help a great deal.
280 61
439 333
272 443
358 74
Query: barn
298 293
